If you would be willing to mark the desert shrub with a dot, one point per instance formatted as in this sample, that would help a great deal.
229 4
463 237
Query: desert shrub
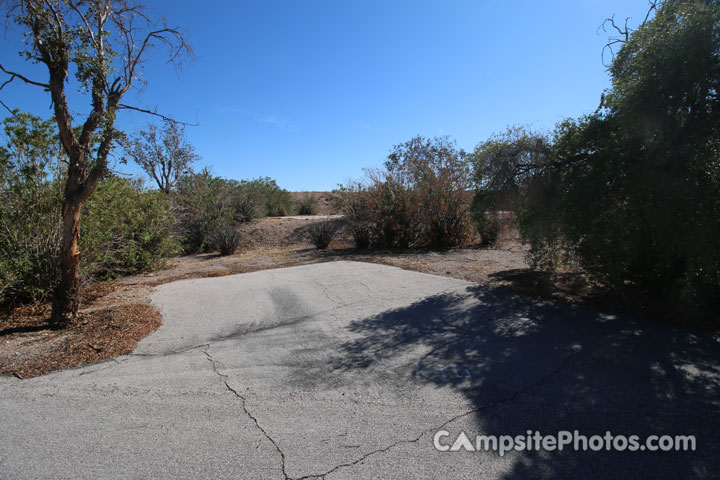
260 197
204 203
277 201
245 206
322 233
361 235
126 229
225 239
306 206
29 240
420 198
123 230
250 198
352 201
30 203
394 215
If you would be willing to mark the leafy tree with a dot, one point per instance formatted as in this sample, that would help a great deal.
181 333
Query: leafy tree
32 148
164 155
632 192
105 42
509 170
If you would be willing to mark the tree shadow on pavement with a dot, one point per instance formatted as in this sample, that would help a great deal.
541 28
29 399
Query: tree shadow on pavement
524 365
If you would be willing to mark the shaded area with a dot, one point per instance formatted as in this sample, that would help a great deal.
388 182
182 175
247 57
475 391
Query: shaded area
524 366
27 328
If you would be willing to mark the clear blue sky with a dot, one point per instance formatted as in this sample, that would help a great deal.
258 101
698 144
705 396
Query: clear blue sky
310 92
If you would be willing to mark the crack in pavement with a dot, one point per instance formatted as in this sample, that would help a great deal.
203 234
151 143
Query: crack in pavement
170 353
501 401
508 399
224 378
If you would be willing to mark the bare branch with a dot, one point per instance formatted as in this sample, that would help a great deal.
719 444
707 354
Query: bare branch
161 35
624 32
653 8
156 114
12 112
15 75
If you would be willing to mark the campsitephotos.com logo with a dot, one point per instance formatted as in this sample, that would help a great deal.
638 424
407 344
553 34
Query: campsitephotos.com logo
562 440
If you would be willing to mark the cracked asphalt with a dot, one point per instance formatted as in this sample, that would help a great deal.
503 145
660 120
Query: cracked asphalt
347 370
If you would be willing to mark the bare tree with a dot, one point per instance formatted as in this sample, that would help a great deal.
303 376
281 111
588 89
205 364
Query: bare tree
164 155
106 42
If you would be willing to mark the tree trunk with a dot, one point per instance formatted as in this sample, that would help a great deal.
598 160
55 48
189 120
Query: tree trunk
66 298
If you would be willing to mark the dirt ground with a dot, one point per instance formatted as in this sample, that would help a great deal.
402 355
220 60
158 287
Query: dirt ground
117 315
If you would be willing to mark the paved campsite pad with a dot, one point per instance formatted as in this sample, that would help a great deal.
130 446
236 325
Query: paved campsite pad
347 370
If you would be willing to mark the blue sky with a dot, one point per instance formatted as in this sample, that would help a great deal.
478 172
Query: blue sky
311 92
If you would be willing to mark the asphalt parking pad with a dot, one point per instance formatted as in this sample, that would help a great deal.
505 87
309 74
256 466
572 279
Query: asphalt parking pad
347 370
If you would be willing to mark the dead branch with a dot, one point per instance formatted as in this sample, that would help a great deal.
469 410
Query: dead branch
155 113
14 75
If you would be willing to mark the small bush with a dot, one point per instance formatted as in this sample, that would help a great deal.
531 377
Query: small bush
123 230
225 239
322 233
29 244
361 235
278 203
307 206
30 202
205 203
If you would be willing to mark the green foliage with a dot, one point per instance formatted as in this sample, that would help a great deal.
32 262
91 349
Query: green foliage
650 161
207 204
420 199
487 224
307 206
632 192
516 170
275 200
29 238
164 155
30 201
322 233
126 230
204 204
261 197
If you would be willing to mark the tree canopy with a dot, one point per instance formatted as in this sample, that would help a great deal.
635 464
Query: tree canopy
632 191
